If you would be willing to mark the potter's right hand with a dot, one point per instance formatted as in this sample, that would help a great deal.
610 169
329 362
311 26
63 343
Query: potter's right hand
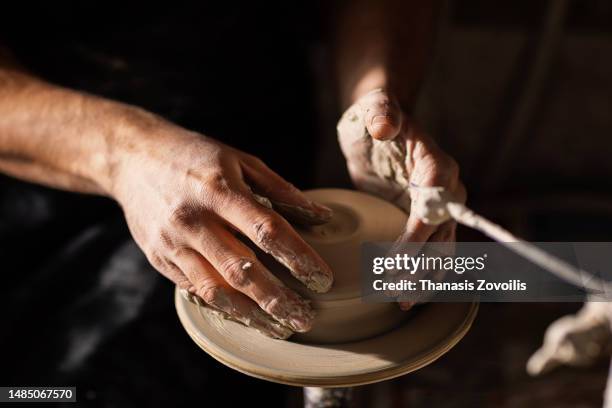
388 155
186 197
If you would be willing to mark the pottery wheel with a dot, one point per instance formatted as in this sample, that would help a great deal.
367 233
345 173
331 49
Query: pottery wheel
426 333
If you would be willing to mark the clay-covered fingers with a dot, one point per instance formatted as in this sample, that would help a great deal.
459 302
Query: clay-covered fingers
239 267
284 197
443 238
430 168
382 114
207 286
434 172
275 236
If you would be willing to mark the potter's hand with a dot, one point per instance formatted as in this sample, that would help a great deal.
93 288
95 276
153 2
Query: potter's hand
386 153
186 197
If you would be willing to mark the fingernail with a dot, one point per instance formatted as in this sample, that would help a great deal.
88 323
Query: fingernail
405 306
319 282
263 323
381 120
291 310
300 315
300 324
324 210
296 323
383 126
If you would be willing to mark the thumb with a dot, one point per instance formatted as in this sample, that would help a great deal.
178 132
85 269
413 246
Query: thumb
382 114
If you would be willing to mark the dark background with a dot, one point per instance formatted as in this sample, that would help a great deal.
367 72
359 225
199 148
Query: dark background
518 91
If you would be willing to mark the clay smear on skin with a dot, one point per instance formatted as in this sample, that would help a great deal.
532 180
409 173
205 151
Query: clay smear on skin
300 213
273 330
305 215
431 205
388 162
310 211
262 200
287 308
313 277
255 317
385 160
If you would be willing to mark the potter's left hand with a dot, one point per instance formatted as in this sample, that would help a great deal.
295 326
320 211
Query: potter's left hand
386 152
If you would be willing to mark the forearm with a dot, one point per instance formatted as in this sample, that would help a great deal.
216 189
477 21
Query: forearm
59 137
384 44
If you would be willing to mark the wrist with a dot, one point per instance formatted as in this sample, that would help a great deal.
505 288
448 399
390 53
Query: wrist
128 135
141 146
